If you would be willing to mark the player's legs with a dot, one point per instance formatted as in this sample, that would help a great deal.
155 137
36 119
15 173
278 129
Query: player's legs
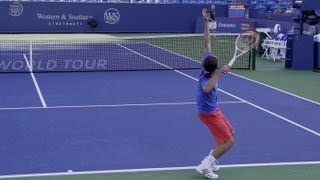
224 136
222 131
222 148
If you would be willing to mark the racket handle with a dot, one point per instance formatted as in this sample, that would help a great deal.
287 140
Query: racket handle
231 62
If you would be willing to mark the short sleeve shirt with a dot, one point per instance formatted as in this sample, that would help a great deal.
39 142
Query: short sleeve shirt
206 102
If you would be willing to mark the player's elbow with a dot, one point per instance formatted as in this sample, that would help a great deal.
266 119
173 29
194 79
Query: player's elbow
206 89
207 46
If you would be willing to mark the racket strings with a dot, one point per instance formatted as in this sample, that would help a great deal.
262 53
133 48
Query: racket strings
247 41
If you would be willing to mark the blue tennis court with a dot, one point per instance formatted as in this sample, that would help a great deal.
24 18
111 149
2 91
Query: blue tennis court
101 121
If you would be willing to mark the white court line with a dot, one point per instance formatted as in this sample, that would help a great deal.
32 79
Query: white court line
277 89
43 102
174 168
158 169
177 54
267 111
225 92
248 79
135 52
116 105
274 114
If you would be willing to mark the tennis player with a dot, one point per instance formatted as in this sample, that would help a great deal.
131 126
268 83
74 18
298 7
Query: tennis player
208 112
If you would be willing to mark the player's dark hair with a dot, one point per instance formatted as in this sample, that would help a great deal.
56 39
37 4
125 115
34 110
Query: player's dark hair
210 64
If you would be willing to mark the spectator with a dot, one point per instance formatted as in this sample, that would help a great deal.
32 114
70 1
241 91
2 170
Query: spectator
278 11
289 9
313 30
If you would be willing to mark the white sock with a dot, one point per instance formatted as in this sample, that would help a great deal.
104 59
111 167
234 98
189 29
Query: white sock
211 158
211 152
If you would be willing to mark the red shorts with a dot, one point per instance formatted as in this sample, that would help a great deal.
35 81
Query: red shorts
218 124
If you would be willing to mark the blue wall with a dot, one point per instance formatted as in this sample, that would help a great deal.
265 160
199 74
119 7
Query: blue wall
55 17
269 20
112 17
310 5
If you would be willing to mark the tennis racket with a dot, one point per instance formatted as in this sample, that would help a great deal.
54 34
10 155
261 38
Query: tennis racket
244 43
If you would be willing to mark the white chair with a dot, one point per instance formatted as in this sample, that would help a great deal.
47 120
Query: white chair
278 50
274 49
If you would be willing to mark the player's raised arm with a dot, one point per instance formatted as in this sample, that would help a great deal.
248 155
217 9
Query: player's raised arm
207 39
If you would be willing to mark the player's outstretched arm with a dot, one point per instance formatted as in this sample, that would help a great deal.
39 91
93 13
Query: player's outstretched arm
207 39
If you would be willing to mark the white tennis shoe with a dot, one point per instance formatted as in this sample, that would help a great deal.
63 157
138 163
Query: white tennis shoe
214 166
205 169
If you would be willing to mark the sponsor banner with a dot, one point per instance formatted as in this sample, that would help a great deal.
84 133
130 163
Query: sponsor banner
224 25
236 10
99 17
248 25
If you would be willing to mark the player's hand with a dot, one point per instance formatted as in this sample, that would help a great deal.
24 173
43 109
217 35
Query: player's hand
224 69
205 15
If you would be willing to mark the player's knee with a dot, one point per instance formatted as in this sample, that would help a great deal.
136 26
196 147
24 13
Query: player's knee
230 142
227 144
